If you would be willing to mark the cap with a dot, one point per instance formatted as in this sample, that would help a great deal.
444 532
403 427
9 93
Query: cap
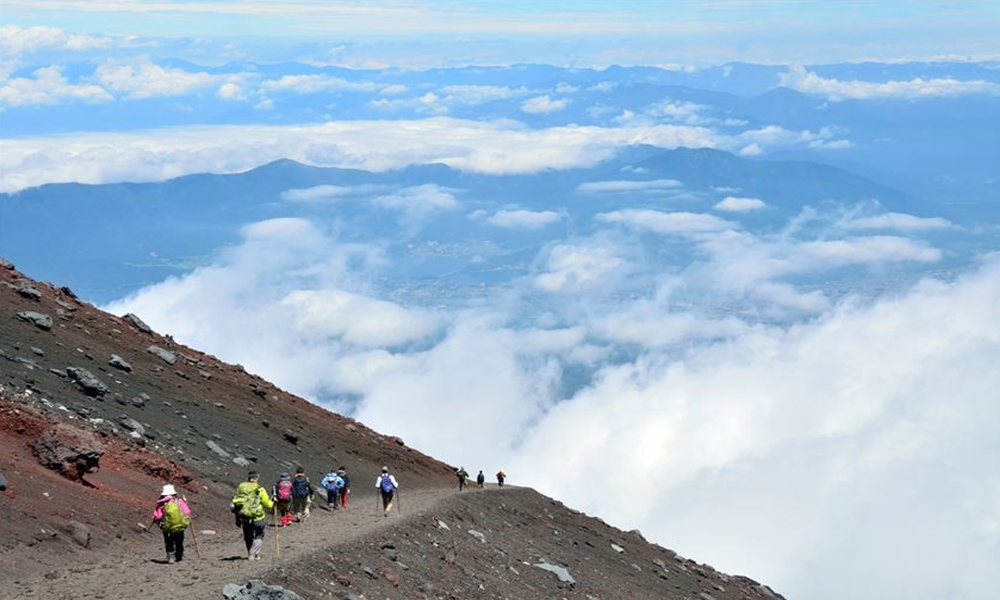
168 490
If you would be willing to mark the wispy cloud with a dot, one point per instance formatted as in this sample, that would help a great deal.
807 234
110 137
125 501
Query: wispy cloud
739 205
523 219
544 104
807 82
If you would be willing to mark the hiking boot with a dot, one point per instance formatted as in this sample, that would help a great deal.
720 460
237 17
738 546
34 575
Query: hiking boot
170 559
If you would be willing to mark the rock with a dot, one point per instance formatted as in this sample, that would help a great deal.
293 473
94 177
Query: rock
617 548
561 572
87 382
37 351
217 449
660 563
3 483
442 525
120 363
79 532
40 320
240 461
138 323
399 440
29 292
390 575
768 592
350 428
291 437
706 596
478 535
165 355
68 292
256 589
58 373
138 401
6 264
346 595
71 451
130 424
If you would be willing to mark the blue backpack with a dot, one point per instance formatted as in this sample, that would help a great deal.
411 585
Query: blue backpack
386 484
300 487
335 484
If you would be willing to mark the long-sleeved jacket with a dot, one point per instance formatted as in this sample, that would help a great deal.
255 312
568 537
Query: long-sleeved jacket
378 481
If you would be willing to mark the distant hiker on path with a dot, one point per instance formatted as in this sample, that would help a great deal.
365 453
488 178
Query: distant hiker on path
333 483
463 475
500 477
301 493
174 516
251 504
386 485
342 471
481 479
282 493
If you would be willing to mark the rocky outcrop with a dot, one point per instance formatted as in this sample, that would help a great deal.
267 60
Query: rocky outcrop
138 323
69 450
87 382
39 320
257 590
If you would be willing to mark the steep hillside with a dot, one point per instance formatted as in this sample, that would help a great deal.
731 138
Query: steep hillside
139 410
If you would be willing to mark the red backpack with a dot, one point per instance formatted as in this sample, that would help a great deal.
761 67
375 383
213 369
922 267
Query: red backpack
284 490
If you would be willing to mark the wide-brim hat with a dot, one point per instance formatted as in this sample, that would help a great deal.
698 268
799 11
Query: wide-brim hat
168 490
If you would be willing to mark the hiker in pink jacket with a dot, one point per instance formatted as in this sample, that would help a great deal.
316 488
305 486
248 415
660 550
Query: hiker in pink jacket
174 516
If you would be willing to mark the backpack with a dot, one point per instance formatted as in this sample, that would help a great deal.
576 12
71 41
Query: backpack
300 487
335 484
284 490
174 519
249 503
386 484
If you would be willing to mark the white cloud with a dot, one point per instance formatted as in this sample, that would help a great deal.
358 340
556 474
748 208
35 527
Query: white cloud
665 223
144 79
357 319
311 84
48 87
419 199
543 104
476 146
807 82
16 41
325 193
230 91
897 221
737 204
574 267
472 95
614 186
524 219
875 249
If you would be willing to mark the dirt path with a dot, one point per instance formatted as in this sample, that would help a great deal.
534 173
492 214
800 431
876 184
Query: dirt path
144 575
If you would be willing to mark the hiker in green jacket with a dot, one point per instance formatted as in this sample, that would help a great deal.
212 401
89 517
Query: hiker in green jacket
250 504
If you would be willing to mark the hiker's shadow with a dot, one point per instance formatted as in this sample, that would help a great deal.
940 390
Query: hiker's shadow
233 558
159 561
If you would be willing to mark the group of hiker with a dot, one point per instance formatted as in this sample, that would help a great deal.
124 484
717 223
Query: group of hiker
463 478
290 501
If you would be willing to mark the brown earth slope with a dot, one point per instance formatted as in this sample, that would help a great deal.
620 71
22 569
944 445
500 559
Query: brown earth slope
200 424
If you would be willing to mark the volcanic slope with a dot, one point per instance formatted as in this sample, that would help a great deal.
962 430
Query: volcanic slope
158 412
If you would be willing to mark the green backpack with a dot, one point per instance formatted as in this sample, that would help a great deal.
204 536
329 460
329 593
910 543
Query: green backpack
249 502
174 519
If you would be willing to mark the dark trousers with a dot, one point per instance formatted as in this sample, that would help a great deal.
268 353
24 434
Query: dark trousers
174 543
386 498
332 498
252 530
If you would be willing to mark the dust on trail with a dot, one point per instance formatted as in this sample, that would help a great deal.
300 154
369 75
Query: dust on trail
144 574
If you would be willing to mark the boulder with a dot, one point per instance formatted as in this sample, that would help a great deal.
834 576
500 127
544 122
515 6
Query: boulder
561 572
129 424
120 363
79 532
87 382
256 589
71 451
29 292
217 449
138 323
165 355
6 264
39 320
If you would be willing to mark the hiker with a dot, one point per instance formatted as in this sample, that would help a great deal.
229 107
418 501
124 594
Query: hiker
463 475
251 504
174 516
481 479
500 477
333 483
386 486
342 471
282 494
301 494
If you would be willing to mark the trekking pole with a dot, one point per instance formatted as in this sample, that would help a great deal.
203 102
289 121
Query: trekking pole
399 501
377 496
194 536
277 533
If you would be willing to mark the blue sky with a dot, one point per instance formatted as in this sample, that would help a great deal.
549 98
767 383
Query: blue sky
561 32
